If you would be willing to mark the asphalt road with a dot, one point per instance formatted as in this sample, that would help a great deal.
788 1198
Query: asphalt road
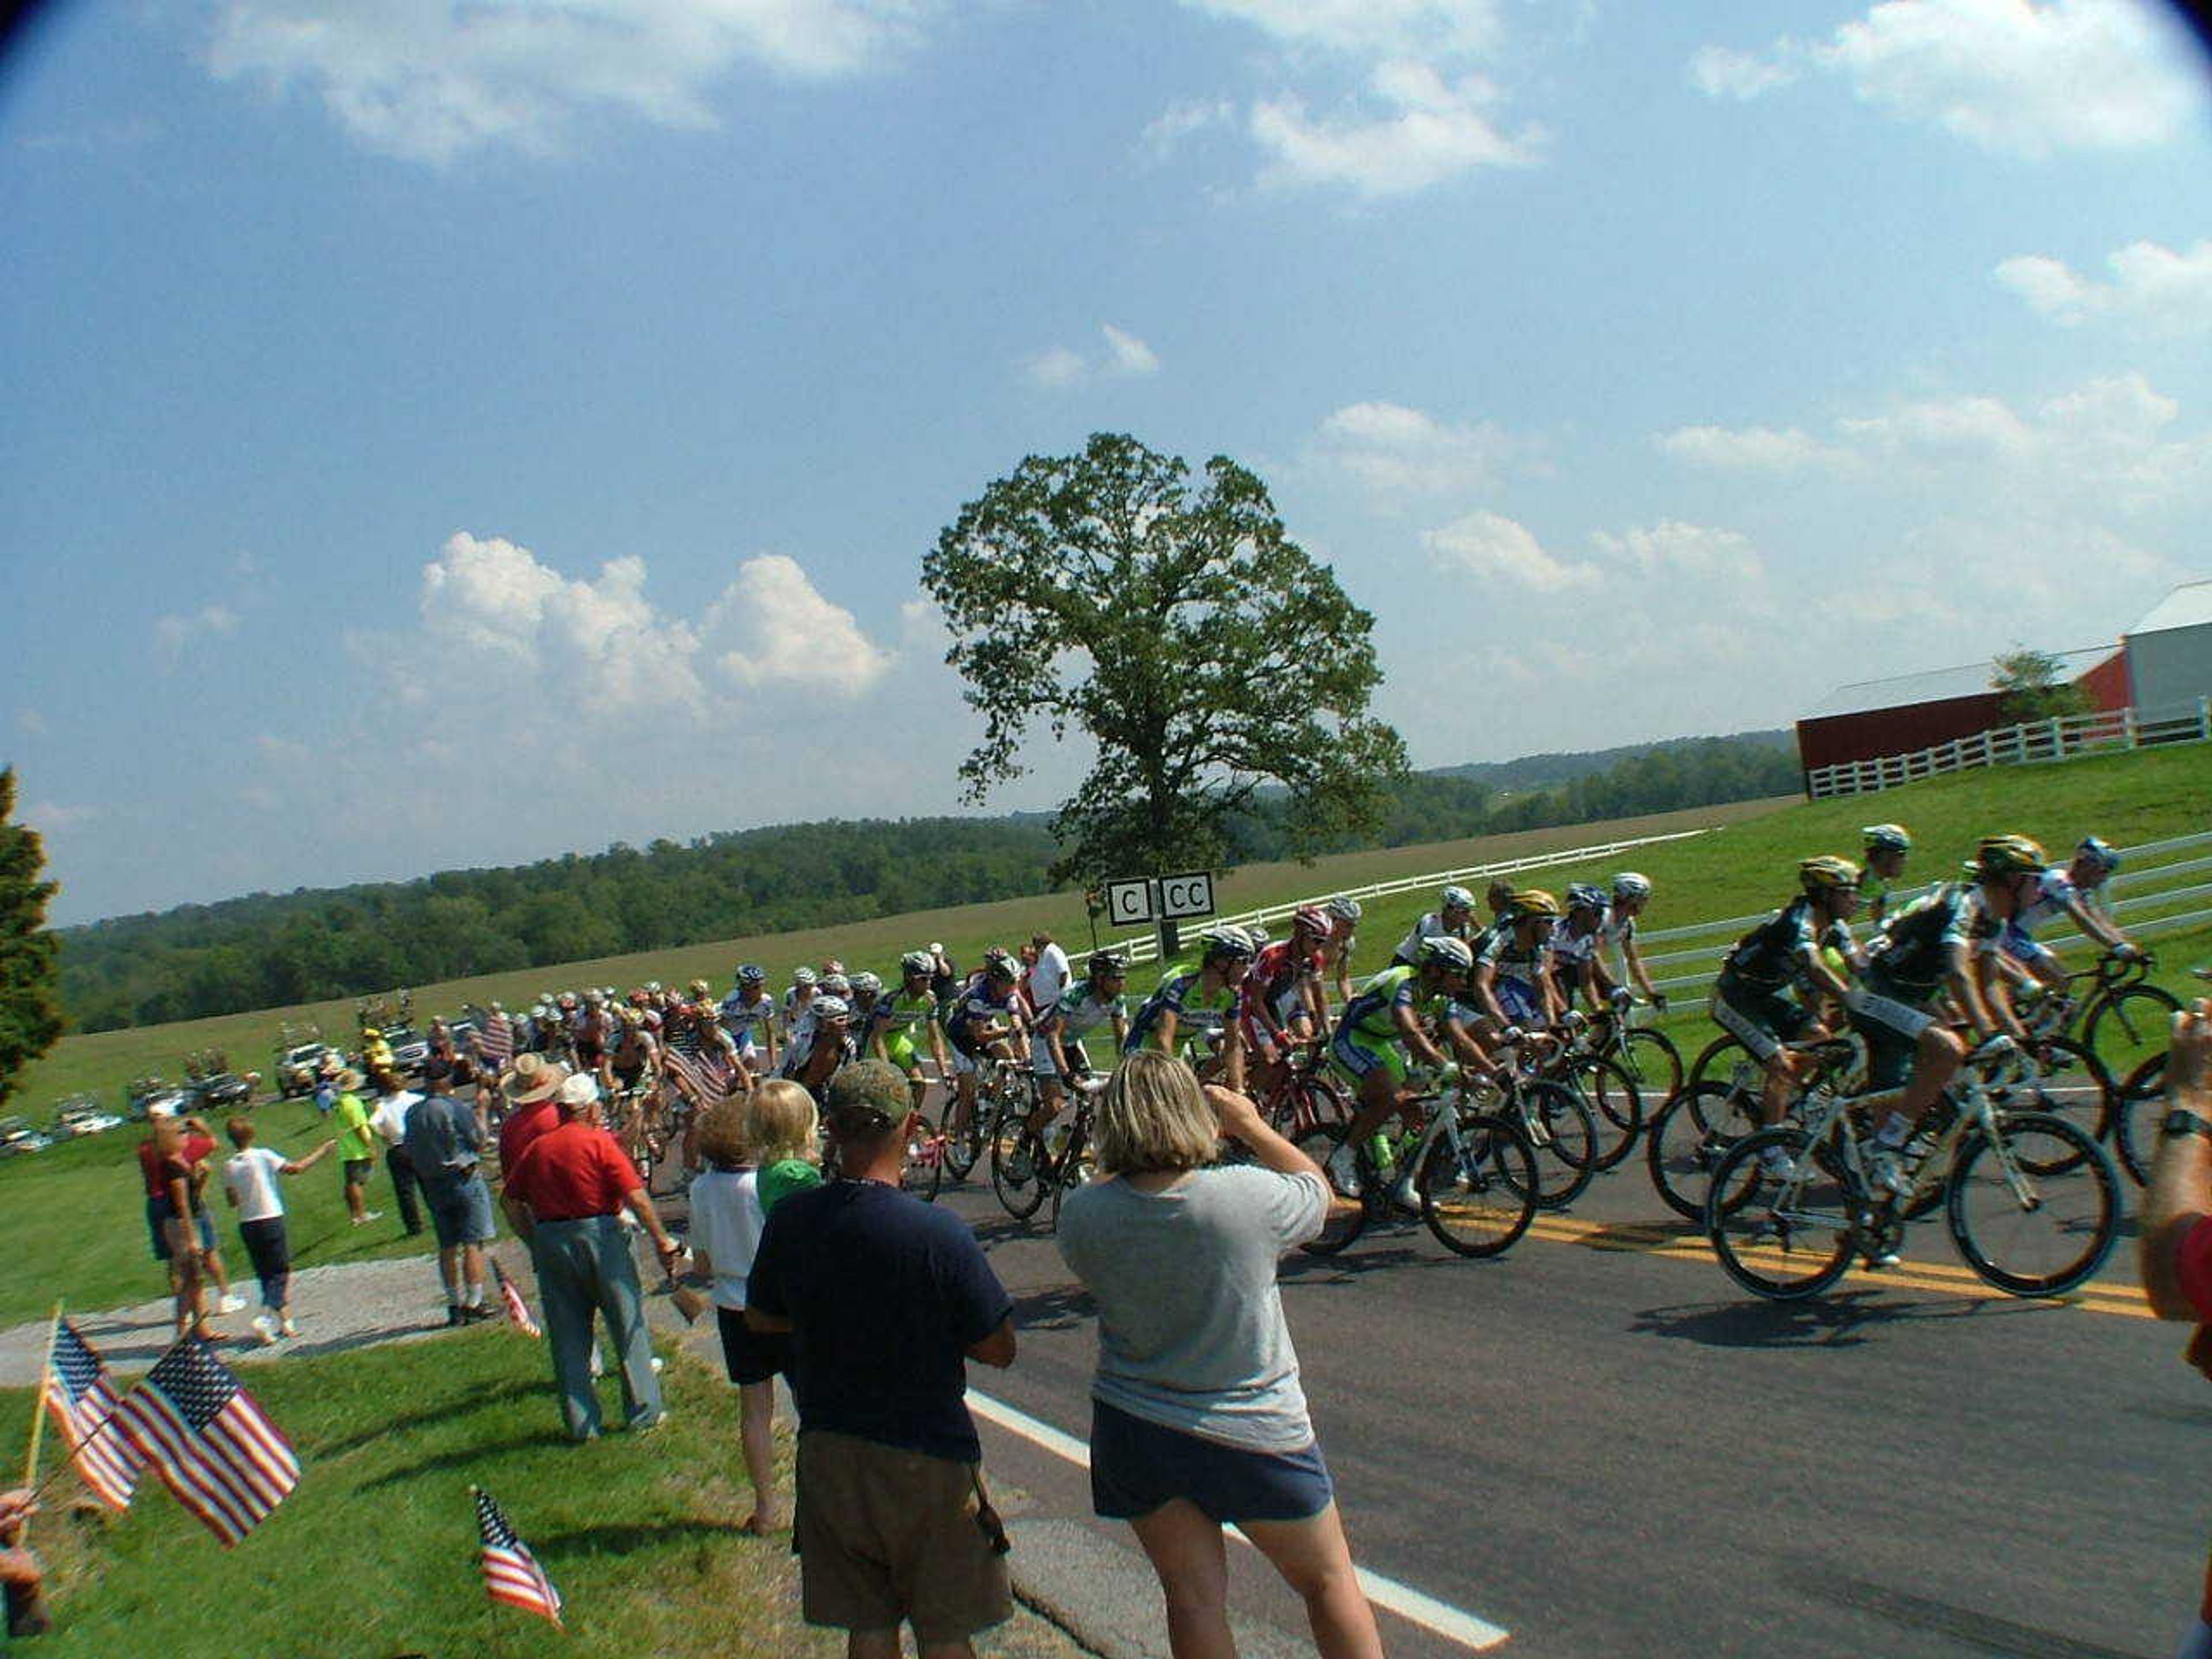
1598 1444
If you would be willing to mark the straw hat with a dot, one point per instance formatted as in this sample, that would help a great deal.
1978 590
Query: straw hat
532 1077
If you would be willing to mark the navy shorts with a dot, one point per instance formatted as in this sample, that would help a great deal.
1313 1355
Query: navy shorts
1136 1466
749 1355
158 1211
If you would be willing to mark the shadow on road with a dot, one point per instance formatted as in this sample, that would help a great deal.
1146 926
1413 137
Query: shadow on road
1842 1320
1060 1308
1986 1631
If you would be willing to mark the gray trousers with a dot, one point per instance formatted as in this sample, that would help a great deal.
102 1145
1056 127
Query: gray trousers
582 1266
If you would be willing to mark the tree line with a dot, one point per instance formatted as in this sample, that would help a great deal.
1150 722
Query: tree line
273 950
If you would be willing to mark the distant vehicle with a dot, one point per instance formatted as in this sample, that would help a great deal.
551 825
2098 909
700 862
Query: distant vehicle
409 1050
18 1138
298 1068
81 1114
223 1092
148 1095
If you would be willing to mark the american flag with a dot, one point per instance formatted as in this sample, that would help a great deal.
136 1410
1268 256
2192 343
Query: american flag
709 1067
517 1310
496 1038
80 1398
212 1446
511 1572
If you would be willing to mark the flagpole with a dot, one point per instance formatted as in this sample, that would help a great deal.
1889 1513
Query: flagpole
39 1404
491 1608
27 1607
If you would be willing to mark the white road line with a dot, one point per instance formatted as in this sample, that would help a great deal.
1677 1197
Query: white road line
1414 1607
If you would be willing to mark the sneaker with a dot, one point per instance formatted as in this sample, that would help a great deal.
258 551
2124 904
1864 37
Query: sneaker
477 1314
1776 1162
266 1326
452 1315
1879 1258
1344 1171
231 1302
287 1327
1886 1171
1406 1195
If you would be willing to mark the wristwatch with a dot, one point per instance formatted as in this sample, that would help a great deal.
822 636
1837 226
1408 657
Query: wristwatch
2179 1123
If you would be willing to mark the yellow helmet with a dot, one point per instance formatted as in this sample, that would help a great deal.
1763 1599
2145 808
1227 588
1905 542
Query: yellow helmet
370 1033
1826 872
1534 902
2008 855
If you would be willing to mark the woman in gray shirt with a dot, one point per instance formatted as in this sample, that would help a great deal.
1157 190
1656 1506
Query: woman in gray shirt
1198 1421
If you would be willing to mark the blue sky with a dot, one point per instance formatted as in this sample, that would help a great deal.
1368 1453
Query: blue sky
443 434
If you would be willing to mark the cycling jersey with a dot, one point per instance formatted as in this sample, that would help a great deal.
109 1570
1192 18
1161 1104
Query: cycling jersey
1080 1011
2054 890
1509 959
1275 991
1912 954
740 1017
1773 954
976 1003
1182 993
1373 1013
1430 926
1570 949
900 1017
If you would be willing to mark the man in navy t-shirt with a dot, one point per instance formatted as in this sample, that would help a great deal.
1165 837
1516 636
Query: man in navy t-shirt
886 1298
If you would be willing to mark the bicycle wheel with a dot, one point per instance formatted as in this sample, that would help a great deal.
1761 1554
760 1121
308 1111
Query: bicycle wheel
1479 1195
1615 1108
2036 1215
1321 1099
1563 1138
1689 1137
1654 1064
2128 1026
1723 1060
964 1146
1017 1172
1319 1144
1779 1235
924 1172
2140 1102
2061 1078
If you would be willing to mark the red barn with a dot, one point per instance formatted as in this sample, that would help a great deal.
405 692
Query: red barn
1876 717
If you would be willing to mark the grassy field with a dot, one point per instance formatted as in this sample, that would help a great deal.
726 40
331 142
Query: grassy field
104 1061
375 1552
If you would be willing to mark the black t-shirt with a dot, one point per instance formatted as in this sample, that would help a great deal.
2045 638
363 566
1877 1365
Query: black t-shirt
885 1294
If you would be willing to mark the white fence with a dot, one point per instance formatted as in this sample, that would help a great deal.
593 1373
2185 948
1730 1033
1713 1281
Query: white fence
1146 947
1686 957
2062 738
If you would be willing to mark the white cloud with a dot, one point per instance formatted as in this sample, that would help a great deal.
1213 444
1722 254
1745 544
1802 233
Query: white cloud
1496 548
48 816
1672 548
1415 131
2165 291
1121 355
172 633
2010 75
1168 130
1373 26
31 723
1750 448
430 81
789 634
1396 452
1127 355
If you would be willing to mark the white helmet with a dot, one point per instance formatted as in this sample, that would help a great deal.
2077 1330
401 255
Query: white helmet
868 982
1343 908
1630 886
802 974
1452 952
1458 898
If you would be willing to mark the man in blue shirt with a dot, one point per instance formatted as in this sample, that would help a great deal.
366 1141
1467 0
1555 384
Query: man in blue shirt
445 1144
886 1298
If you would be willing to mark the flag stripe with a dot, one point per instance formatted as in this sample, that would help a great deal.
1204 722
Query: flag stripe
209 1442
262 1486
166 1447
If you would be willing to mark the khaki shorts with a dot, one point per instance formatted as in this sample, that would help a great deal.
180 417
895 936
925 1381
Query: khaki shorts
887 1537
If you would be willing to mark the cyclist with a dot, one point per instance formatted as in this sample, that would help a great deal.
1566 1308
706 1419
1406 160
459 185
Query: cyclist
1946 940
2076 891
1374 1035
1510 982
1575 942
982 1021
905 1014
1886 844
1279 1003
635 1052
1343 914
1453 917
803 984
590 1033
749 1010
867 997
1631 892
829 1044
1195 1004
1056 1050
1752 999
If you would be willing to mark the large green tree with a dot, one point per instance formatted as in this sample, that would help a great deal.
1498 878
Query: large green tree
30 968
2033 686
1171 621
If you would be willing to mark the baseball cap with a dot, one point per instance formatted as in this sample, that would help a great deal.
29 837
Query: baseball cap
865 1098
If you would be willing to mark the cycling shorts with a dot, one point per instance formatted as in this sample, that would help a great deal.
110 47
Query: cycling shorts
1359 1057
627 1076
1522 1003
2018 944
1041 1063
902 1053
1760 1018
1892 1024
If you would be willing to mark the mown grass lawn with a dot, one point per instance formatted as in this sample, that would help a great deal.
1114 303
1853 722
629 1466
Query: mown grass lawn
375 1553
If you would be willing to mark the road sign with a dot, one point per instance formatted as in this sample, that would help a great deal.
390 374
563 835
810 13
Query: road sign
1183 897
1128 903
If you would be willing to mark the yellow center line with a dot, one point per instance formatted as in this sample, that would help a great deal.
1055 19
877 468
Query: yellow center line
2124 1300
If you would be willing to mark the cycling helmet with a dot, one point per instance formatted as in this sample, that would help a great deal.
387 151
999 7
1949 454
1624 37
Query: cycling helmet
836 984
2008 855
865 980
1630 886
546 997
633 1016
803 974
2101 853
1886 838
918 961
1452 953
1581 895
1457 898
1228 940
1257 933
701 989
827 1008
1344 909
593 999
831 965
1109 964
1311 917
998 962
1534 902
639 997
751 973
1825 873
653 988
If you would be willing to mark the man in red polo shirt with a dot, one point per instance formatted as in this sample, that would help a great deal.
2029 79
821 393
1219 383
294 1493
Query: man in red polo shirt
530 1087
2175 1249
566 1194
